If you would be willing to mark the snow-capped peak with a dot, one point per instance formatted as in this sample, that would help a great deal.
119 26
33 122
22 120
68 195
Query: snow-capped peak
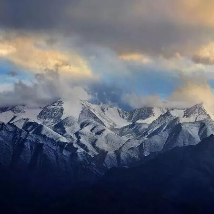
109 132
107 115
196 113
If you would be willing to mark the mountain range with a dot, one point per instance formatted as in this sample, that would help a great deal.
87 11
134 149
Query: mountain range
108 136
53 149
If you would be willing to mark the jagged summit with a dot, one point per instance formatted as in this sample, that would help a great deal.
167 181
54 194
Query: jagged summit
15 109
196 112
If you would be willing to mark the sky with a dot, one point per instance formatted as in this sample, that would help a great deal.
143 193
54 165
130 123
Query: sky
128 53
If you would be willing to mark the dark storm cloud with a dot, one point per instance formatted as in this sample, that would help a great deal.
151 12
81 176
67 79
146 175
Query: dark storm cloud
31 14
155 27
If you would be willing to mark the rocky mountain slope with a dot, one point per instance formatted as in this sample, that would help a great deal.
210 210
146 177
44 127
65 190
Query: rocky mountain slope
151 156
99 136
179 181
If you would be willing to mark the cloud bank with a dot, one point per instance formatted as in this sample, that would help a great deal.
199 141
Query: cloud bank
192 91
33 54
164 27
129 53
52 85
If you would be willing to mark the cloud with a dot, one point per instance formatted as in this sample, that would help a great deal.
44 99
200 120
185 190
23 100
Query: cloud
139 101
205 54
46 88
136 58
193 91
197 11
34 55
5 87
131 26
52 85
111 94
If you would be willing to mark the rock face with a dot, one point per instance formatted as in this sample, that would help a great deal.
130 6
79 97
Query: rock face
47 161
96 137
177 181
64 146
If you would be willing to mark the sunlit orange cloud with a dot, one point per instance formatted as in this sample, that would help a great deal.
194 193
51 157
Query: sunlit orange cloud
177 11
27 53
194 91
205 54
135 57
198 11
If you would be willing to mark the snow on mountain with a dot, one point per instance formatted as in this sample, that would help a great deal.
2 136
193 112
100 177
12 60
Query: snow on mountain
67 127
48 161
59 110
16 113
146 114
180 176
6 116
109 135
110 116
115 114
196 113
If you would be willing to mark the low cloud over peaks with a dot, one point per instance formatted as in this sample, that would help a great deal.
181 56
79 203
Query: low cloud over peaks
45 88
194 91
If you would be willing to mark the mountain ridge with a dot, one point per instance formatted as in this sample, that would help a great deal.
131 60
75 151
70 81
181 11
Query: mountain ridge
62 147
111 135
